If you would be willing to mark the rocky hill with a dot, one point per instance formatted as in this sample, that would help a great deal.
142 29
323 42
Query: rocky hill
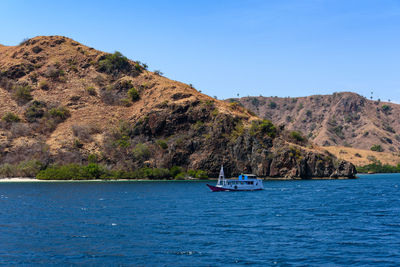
62 102
342 119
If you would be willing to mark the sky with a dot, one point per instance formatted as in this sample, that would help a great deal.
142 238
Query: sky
230 47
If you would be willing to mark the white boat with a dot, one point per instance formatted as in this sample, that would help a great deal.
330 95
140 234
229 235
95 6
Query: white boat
245 182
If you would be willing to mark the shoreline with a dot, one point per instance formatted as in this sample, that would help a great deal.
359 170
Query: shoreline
34 180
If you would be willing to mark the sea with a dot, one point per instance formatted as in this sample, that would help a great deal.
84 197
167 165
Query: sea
290 223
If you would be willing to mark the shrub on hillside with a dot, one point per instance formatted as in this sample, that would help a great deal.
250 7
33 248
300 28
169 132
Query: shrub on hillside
113 63
29 168
378 167
126 102
24 41
255 102
272 105
386 108
235 106
158 72
133 94
22 93
200 174
263 127
91 91
388 128
377 148
138 67
10 117
95 171
34 111
44 85
72 172
175 170
60 114
162 144
85 132
251 112
54 72
141 152
300 107
338 130
77 144
297 136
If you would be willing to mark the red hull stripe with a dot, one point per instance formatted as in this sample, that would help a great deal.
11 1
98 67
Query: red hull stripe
220 189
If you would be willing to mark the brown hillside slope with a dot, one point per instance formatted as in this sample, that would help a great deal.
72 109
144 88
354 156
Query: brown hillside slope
74 101
341 119
361 157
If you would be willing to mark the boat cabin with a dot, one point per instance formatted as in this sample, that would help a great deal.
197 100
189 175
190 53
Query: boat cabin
245 182
233 182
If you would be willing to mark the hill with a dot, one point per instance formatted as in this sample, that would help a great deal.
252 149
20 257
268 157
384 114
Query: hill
62 102
345 120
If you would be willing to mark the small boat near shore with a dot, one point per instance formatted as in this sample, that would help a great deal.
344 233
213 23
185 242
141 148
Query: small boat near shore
245 182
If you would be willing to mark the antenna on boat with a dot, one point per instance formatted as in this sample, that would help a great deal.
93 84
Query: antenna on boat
221 175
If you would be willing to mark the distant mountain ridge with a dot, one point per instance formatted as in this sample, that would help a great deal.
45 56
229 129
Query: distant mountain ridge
340 119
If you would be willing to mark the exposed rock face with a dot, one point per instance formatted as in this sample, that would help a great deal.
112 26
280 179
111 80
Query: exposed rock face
89 103
215 142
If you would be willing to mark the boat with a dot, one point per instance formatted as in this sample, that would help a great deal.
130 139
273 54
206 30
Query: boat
245 182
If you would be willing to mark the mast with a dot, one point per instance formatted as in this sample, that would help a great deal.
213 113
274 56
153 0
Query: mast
221 176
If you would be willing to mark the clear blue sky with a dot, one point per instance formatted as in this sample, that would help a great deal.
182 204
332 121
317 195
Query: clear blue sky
253 47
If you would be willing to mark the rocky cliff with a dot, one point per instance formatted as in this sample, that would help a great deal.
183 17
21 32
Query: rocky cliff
63 102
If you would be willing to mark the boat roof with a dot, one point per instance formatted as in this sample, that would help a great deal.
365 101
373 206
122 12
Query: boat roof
237 179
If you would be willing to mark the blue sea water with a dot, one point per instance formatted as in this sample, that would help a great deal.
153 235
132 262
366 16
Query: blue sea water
290 223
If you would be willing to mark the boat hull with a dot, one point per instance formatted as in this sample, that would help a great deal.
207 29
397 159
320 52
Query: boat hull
222 189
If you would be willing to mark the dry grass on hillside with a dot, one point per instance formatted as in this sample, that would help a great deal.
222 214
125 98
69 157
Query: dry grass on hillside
78 63
363 156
